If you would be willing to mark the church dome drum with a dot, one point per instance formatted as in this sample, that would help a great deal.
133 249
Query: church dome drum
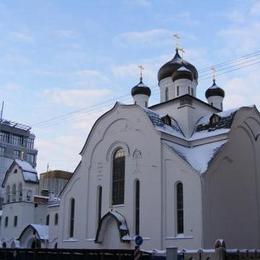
173 65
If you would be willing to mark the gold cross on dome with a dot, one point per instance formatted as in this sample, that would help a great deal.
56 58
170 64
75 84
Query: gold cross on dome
213 73
141 71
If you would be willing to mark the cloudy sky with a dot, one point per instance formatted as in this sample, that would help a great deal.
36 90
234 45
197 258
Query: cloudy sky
63 63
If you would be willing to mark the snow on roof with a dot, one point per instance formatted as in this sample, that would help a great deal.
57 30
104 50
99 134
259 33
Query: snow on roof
27 167
182 68
159 125
30 176
199 156
42 230
121 219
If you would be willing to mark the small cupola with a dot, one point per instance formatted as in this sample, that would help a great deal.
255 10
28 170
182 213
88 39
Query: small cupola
141 92
215 95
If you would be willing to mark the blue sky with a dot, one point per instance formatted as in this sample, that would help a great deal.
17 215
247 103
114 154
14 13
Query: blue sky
59 56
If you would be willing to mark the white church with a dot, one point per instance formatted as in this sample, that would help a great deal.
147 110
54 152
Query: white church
181 173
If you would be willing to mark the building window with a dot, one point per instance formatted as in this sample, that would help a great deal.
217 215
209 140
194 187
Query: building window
20 191
56 219
192 92
29 195
14 192
146 103
2 151
17 154
189 90
137 207
6 221
118 183
166 94
8 194
179 208
99 203
15 221
178 91
48 220
30 158
72 217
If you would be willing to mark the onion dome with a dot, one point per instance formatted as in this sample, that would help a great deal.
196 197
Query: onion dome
214 90
182 73
140 88
173 65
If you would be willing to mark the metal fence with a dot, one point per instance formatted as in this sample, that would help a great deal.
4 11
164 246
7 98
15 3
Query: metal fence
68 254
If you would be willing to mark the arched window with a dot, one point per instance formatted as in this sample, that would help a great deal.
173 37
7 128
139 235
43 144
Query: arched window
189 90
72 217
8 194
178 91
20 191
99 203
48 220
166 94
118 182
15 221
14 192
179 208
137 207
192 92
56 219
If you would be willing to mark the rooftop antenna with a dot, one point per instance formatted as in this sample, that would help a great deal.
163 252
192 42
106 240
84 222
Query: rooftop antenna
2 110
141 72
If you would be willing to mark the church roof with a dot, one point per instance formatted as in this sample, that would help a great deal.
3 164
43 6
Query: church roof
199 156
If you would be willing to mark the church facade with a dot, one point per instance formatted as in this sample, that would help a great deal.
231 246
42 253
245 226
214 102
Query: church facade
181 173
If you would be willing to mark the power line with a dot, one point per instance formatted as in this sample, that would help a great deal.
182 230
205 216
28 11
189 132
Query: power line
241 62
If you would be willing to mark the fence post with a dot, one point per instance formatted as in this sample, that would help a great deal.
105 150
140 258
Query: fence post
171 253
220 249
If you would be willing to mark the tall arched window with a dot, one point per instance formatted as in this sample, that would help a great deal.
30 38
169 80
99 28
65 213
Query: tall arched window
20 191
14 192
137 207
48 220
166 94
8 194
56 219
72 217
99 203
178 91
179 208
118 182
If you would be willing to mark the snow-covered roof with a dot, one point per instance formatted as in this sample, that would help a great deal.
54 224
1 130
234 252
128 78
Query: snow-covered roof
42 230
158 123
199 156
25 166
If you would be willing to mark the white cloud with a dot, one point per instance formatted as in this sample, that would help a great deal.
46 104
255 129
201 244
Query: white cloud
142 3
23 37
76 97
91 76
150 37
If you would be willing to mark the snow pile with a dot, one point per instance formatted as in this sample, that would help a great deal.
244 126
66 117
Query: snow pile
199 156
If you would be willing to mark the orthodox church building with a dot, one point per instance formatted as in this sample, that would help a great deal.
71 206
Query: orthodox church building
181 173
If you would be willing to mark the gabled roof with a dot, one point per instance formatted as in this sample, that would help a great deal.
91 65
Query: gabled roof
42 231
29 173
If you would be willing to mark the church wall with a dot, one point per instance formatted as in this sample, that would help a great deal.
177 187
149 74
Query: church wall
231 189
176 170
129 128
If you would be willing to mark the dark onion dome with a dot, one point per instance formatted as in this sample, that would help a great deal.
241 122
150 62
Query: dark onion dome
182 73
173 65
140 88
214 90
